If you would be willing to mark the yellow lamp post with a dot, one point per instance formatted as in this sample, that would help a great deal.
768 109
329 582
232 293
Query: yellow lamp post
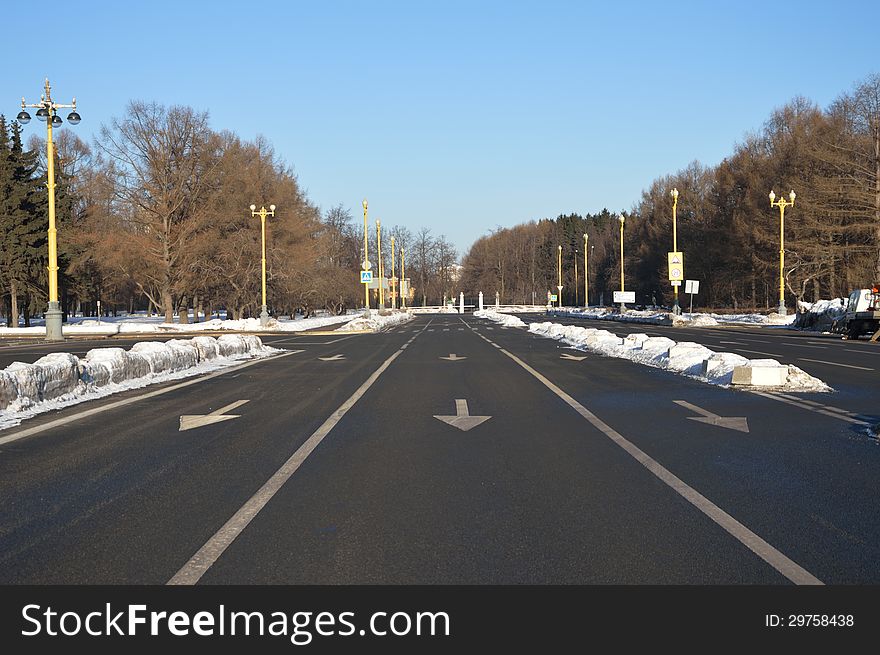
576 300
586 272
393 278
559 274
47 111
675 307
622 286
782 204
263 213
366 264
402 278
379 264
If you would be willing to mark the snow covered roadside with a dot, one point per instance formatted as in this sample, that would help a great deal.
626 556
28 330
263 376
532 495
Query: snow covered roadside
142 325
377 321
61 379
505 320
686 319
634 316
686 357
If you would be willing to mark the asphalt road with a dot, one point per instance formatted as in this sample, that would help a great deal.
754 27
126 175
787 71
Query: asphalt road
337 470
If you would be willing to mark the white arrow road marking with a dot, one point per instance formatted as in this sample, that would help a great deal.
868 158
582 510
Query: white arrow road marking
190 421
573 358
335 358
463 420
737 423
453 357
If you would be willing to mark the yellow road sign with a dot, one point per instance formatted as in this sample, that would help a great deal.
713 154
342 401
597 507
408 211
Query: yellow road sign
676 266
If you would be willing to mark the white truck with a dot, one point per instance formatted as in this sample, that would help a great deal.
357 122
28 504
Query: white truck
862 315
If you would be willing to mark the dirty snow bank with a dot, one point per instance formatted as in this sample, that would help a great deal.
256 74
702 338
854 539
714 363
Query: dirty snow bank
61 379
686 358
504 319
377 321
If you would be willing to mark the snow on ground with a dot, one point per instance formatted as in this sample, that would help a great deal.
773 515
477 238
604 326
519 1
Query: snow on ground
140 323
377 321
504 319
754 319
686 319
440 309
686 357
61 379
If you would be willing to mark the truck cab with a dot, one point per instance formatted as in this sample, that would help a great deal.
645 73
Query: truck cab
862 315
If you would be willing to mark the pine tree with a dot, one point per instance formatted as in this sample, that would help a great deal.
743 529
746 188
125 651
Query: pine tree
23 221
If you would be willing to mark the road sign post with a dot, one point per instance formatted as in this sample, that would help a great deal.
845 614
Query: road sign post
692 287
676 275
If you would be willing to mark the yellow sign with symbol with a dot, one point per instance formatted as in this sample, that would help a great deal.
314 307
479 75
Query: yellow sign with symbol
676 266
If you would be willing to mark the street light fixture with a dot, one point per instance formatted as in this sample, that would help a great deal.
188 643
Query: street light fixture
47 111
622 288
403 278
366 264
264 315
586 272
381 292
782 204
675 307
559 274
393 278
576 299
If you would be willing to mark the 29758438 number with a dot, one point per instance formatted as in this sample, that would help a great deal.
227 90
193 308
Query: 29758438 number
809 621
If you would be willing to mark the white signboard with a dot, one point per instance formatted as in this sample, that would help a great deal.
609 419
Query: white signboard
625 296
366 277
692 286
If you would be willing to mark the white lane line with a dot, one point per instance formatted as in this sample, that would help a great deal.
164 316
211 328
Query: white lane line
734 343
803 345
820 361
862 352
755 352
295 340
191 572
833 413
787 567
128 401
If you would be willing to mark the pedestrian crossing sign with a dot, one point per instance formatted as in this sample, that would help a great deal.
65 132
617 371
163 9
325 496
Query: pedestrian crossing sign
366 277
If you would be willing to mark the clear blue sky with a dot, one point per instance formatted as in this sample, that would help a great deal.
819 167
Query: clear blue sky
457 116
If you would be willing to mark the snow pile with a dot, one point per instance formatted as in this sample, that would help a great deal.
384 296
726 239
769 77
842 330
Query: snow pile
378 321
606 314
693 320
819 315
61 379
440 309
515 309
754 319
504 319
686 358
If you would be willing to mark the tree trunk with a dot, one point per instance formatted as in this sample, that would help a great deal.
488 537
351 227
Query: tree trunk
184 311
168 305
13 314
197 308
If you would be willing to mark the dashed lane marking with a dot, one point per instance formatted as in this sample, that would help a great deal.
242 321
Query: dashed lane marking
821 361
775 558
191 572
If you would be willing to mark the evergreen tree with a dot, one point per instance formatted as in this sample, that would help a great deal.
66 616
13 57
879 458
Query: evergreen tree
23 222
